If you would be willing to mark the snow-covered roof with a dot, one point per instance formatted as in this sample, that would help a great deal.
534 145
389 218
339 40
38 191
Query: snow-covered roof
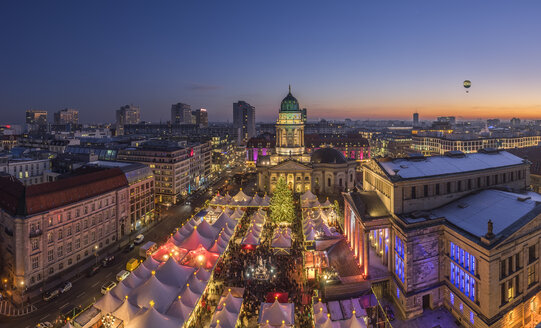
471 213
440 165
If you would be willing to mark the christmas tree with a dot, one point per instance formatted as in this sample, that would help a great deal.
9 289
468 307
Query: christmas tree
281 204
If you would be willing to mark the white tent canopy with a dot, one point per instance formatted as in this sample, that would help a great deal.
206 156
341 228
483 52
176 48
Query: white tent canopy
174 274
152 318
126 312
153 290
180 310
108 303
276 313
308 195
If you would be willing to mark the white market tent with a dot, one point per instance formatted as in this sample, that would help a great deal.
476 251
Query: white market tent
251 237
281 241
153 290
180 310
121 290
127 311
194 240
152 318
276 313
108 303
174 274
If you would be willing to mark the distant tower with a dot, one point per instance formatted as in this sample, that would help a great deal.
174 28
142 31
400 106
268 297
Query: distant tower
181 114
290 127
244 118
415 119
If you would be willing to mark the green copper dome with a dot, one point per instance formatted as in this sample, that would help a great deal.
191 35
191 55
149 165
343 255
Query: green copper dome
290 103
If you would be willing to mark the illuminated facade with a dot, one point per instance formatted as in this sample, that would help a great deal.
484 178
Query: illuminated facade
458 231
324 171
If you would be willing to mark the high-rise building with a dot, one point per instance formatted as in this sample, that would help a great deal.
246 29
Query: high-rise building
446 119
37 117
128 114
201 117
181 114
66 116
415 119
244 118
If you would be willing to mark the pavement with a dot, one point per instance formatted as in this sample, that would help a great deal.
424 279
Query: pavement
87 290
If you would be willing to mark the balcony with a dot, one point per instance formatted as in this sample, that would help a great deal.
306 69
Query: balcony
35 233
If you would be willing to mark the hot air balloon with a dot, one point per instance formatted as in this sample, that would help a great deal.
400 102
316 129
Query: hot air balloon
467 85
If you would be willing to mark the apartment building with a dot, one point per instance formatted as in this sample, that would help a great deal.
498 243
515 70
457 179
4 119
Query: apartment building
48 229
179 168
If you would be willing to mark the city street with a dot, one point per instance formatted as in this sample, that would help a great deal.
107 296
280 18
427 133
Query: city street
86 290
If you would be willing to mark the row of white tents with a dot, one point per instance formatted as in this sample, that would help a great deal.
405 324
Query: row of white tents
281 238
315 225
277 314
309 200
253 234
240 200
228 309
340 314
164 290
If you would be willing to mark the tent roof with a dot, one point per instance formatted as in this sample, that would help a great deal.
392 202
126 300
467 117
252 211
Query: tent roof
180 310
207 231
227 319
152 318
126 311
275 313
241 197
121 290
250 238
189 297
281 242
224 220
174 274
153 290
202 274
308 195
151 263
108 303
232 303
194 240
141 272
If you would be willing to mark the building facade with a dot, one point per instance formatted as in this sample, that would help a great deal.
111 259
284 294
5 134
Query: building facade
430 145
66 116
178 169
244 119
324 171
181 114
126 115
28 171
50 228
458 231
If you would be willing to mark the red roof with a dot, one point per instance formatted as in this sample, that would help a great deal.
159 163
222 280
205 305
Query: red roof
20 200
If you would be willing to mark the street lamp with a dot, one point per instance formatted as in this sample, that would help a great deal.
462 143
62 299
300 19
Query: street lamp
96 253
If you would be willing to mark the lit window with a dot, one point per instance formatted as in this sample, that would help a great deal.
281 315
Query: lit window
461 307
397 292
452 298
471 318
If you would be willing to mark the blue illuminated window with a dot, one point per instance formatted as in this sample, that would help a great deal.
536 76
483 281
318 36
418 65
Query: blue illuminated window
399 267
471 318
452 298
397 292
462 269
461 307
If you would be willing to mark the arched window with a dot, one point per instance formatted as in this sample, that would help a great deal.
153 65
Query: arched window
329 182
340 182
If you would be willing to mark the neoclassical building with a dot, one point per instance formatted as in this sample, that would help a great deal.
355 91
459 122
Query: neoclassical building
324 171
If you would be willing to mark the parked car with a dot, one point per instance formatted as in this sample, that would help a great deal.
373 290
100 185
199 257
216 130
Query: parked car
65 287
45 324
93 270
107 287
51 295
139 239
109 260
122 275
129 248
132 264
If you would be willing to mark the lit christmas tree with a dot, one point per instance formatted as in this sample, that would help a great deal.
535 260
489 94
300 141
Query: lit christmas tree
281 204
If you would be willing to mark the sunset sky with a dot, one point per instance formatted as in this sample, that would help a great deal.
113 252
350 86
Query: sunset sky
356 59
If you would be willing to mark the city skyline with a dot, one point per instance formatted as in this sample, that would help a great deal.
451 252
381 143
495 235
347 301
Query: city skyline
361 61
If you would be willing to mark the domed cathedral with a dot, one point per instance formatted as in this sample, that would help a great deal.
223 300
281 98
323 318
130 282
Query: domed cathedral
325 171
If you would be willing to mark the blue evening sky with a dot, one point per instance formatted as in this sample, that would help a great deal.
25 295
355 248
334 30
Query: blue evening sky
357 59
